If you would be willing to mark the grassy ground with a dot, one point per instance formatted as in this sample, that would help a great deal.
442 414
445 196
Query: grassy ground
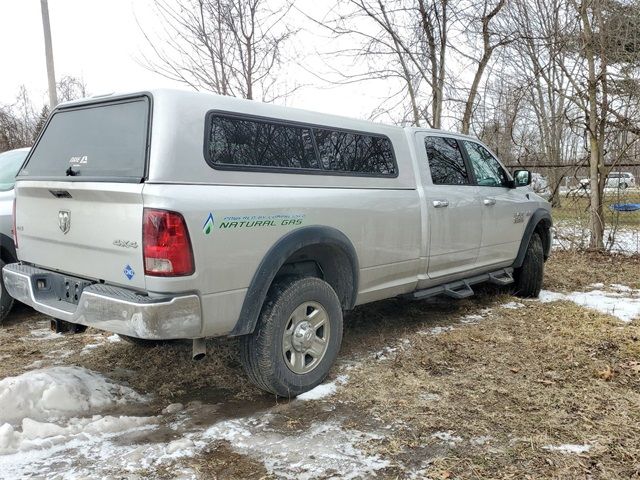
480 400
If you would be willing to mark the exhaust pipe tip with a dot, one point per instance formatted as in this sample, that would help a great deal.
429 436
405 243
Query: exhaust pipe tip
199 350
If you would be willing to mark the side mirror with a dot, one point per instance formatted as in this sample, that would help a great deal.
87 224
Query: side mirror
522 178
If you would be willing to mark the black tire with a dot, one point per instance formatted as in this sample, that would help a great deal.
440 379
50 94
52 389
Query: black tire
528 278
6 300
262 353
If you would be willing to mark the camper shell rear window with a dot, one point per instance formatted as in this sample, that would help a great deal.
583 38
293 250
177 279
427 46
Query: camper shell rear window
104 141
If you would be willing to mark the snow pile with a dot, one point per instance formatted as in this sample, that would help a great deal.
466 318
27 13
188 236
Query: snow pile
568 448
324 390
59 392
325 450
31 401
623 303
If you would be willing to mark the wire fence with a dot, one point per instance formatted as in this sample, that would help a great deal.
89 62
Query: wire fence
621 219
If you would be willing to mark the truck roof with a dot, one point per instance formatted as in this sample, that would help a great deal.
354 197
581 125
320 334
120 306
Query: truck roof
216 101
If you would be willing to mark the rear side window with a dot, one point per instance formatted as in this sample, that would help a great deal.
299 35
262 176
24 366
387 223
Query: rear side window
353 152
105 141
445 161
234 141
239 142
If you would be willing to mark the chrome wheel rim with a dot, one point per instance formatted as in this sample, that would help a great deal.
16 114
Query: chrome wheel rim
306 337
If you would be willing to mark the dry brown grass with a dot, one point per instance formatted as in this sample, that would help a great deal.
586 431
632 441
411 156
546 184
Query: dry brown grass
544 374
575 270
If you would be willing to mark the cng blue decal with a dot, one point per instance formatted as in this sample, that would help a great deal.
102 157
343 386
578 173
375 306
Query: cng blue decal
207 228
128 272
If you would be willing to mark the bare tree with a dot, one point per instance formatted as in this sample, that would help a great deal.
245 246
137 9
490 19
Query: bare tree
492 39
71 88
229 47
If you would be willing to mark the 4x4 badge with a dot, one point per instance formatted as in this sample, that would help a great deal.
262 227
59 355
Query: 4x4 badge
64 221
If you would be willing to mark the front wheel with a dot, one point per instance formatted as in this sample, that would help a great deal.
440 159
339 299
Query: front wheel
297 338
6 301
528 278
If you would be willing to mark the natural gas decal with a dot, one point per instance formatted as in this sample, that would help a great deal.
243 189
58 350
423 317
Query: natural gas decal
231 222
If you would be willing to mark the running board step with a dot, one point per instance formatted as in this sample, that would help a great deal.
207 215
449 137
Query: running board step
503 277
462 288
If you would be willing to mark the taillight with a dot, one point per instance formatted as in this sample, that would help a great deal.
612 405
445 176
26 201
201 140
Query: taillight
167 247
14 230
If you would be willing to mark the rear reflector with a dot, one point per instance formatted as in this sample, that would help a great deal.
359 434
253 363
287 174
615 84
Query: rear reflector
167 247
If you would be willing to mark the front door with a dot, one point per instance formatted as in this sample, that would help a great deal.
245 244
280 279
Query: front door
454 212
505 209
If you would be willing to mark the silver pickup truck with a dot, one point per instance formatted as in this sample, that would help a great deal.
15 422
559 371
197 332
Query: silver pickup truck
168 214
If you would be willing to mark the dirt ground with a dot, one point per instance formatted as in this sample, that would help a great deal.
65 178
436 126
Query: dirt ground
479 388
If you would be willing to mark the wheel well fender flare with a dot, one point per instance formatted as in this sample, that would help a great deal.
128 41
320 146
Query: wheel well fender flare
310 237
7 249
539 218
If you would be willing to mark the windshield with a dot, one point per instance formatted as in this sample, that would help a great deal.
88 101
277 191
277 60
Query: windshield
102 142
10 163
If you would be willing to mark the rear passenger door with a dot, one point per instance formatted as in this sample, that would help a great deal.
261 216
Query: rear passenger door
454 212
504 209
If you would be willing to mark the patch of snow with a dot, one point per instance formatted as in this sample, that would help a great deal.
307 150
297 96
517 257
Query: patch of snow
596 285
568 236
324 390
114 338
512 305
36 435
429 397
471 319
568 448
325 450
36 364
436 330
173 408
45 334
482 440
385 353
547 296
626 308
447 437
87 348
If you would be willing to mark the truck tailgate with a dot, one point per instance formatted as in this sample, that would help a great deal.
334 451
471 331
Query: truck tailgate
87 229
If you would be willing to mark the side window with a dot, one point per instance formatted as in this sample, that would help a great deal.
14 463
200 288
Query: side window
354 152
234 141
446 161
488 171
244 142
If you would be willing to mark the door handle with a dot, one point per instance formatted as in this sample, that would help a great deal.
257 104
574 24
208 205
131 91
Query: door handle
489 201
440 203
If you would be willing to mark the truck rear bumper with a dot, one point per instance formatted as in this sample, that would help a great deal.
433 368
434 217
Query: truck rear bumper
105 307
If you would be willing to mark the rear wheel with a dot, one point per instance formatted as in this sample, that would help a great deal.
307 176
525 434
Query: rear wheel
528 278
297 338
6 300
